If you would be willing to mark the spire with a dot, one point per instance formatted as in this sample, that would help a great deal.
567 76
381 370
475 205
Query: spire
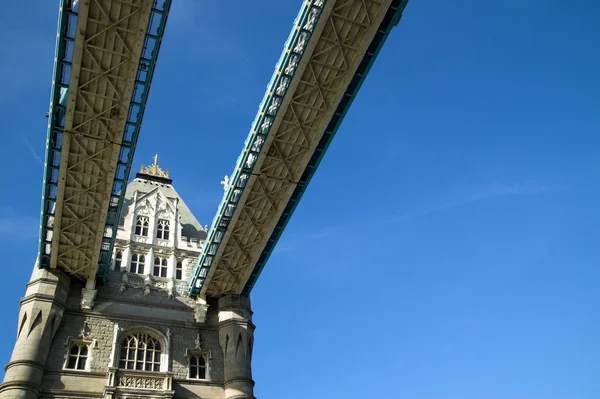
154 170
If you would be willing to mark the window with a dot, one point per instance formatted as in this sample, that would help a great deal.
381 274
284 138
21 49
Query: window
78 354
141 226
179 270
118 260
137 264
197 367
160 267
162 231
140 351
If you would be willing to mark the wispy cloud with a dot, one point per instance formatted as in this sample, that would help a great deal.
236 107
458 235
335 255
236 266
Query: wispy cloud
182 11
32 150
481 193
16 225
462 197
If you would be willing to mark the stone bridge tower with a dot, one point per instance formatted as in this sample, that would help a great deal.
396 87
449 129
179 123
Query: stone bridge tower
141 336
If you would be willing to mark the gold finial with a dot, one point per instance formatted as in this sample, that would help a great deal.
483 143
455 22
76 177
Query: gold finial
154 169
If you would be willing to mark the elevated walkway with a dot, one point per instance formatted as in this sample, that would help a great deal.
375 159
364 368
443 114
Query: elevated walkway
325 60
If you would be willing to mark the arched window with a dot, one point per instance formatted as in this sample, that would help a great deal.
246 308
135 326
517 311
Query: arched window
118 260
141 226
179 270
140 351
137 264
162 230
78 355
197 367
160 267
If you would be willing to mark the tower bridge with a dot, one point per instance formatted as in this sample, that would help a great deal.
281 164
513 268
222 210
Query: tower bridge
130 295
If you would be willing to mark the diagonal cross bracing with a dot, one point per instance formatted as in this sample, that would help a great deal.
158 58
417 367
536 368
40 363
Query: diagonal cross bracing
328 54
105 59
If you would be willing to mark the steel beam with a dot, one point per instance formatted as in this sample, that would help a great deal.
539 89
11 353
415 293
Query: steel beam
331 44
106 54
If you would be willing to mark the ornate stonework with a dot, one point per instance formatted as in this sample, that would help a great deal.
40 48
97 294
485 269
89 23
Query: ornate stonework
154 169
129 381
145 291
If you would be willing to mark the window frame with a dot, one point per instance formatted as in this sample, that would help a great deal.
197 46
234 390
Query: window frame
142 225
140 260
79 343
197 354
162 267
137 336
179 270
118 259
163 229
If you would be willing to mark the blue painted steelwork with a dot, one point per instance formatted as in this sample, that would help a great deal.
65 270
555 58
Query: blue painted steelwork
137 106
390 20
277 88
67 23
65 39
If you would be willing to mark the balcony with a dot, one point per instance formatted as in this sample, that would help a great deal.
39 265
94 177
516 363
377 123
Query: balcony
155 385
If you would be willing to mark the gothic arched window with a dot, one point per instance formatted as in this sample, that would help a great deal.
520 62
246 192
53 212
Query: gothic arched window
162 230
140 351
78 355
137 264
197 368
141 225
160 267
118 260
179 270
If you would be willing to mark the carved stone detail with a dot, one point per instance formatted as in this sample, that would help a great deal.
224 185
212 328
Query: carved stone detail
135 281
85 330
87 298
200 313
161 284
145 208
129 379
140 382
151 283
199 341
141 240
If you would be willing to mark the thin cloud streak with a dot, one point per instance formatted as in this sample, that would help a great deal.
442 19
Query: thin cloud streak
490 191
465 197
32 150
15 225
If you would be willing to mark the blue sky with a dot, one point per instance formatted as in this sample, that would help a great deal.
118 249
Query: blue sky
447 248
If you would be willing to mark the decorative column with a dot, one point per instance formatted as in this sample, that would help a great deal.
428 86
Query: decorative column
149 263
171 264
236 336
131 221
176 231
126 259
88 294
39 318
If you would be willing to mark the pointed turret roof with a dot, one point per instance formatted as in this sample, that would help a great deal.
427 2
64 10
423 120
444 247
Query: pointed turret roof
154 178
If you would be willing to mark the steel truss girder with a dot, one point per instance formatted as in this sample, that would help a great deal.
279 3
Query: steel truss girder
391 19
275 159
101 83
107 47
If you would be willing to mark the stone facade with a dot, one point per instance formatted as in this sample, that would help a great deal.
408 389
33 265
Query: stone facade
139 335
